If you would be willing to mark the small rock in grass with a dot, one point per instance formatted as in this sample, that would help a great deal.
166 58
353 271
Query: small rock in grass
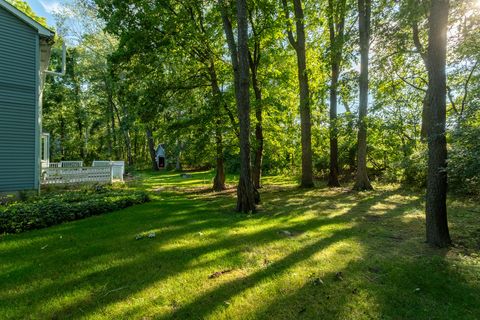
152 235
416 290
317 282
339 276
138 237
285 233
290 234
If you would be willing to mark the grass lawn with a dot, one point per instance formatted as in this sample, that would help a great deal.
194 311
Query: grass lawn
308 254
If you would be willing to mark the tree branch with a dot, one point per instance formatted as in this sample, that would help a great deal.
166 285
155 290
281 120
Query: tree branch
409 83
452 102
291 38
465 88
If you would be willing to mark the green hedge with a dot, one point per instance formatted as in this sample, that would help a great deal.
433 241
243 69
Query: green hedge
54 209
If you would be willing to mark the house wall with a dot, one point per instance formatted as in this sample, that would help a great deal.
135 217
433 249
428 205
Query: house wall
19 128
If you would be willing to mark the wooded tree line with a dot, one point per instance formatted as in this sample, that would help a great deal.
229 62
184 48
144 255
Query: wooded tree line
327 89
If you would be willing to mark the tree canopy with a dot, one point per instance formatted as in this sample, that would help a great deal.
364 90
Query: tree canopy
141 73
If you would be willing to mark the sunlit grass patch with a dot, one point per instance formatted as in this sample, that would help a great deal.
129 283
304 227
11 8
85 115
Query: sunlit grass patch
307 254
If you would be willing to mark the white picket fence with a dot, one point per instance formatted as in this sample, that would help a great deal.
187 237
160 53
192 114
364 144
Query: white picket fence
118 168
73 172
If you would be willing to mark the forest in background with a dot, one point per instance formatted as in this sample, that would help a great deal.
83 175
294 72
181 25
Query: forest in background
140 73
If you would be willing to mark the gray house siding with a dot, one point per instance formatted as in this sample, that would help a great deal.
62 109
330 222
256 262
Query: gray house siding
19 126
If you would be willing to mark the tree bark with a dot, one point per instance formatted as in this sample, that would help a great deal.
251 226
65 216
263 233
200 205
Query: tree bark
305 114
151 149
437 232
78 105
336 30
258 157
246 192
334 171
361 180
219 180
126 136
111 122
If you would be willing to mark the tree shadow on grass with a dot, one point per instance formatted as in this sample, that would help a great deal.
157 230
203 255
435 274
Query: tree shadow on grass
392 290
83 272
397 284
195 236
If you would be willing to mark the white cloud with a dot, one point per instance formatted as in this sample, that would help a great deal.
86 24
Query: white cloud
51 6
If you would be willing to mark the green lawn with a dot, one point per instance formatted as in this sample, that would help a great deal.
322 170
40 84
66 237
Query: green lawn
307 254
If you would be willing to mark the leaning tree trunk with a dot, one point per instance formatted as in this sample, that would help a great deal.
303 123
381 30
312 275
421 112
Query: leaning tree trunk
361 180
151 149
436 208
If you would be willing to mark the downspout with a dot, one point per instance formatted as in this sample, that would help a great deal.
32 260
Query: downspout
40 96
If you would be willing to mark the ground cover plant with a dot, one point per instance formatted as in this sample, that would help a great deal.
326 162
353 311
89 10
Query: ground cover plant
307 254
54 208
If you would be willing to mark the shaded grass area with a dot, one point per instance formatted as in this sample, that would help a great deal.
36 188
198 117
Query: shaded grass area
308 254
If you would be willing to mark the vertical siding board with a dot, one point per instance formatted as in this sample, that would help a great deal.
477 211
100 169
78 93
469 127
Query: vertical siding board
19 85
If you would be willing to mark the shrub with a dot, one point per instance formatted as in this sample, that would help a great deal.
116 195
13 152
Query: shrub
49 210
463 163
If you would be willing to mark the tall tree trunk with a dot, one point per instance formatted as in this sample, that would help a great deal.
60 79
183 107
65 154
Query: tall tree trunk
336 31
219 180
63 138
361 180
258 157
178 163
247 194
78 106
109 139
111 121
436 207
126 136
151 148
305 116
333 174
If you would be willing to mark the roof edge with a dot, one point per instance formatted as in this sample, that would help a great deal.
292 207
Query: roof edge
42 31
